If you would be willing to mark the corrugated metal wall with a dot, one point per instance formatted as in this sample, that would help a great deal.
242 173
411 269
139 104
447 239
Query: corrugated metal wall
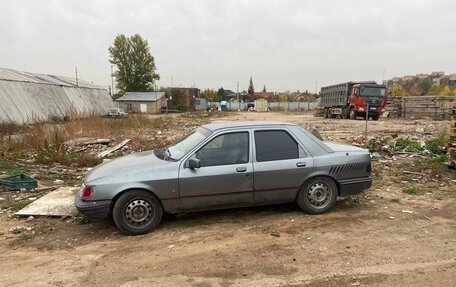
24 102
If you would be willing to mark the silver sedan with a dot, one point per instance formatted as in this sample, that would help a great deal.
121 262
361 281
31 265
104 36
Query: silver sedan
224 165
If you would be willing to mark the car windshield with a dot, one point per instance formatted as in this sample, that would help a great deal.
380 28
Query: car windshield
183 146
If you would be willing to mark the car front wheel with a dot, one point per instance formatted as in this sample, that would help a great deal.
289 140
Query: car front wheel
318 195
137 212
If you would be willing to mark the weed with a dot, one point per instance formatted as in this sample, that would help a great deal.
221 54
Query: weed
82 219
9 168
52 151
19 204
10 128
413 190
395 200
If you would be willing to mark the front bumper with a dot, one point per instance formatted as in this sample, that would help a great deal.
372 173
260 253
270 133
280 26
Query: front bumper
354 185
93 209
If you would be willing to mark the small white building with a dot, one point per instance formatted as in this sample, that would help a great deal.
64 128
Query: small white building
142 102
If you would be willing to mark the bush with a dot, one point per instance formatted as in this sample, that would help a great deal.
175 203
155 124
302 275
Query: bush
413 190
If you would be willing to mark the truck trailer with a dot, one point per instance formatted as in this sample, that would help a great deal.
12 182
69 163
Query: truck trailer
352 99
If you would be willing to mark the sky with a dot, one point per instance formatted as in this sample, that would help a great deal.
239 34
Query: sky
284 44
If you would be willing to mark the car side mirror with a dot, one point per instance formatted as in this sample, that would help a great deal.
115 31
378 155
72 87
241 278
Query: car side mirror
194 163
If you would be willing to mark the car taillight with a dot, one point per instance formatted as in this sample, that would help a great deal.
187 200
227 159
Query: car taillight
87 192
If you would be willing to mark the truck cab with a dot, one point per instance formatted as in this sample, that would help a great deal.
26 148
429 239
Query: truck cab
367 99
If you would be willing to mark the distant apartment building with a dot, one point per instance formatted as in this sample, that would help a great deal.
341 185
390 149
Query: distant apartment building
437 78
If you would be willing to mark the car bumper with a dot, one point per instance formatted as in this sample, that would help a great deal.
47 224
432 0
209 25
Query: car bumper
93 209
354 186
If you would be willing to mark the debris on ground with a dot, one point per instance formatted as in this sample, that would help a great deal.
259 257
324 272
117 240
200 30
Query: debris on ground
113 149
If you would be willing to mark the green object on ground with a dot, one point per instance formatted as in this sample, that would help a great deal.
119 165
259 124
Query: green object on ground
17 182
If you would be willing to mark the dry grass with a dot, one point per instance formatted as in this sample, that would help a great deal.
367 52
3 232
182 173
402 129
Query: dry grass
45 140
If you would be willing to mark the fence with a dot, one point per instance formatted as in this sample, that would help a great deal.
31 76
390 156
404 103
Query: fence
436 107
273 106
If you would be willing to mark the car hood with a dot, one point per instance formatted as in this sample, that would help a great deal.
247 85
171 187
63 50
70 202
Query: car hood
337 147
124 165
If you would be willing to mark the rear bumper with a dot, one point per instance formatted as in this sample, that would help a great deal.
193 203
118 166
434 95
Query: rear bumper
93 209
354 186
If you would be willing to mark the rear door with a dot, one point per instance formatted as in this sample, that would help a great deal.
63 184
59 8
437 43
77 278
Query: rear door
280 165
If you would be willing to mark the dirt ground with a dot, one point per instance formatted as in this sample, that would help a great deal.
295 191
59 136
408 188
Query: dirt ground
383 237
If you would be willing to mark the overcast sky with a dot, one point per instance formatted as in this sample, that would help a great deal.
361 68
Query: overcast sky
285 45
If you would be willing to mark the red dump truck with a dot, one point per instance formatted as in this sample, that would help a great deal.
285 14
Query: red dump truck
351 100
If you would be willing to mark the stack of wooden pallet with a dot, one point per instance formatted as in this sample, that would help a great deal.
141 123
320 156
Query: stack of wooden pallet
393 107
452 142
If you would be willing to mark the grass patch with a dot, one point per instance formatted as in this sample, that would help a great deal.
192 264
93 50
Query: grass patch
413 190
395 200
82 219
8 168
432 147
17 205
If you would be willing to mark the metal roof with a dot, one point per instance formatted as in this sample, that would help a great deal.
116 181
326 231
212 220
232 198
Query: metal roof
141 97
27 97
19 76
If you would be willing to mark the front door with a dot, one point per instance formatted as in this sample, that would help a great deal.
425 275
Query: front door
225 177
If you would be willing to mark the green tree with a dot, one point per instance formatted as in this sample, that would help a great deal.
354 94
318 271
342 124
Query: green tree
264 89
424 85
210 94
251 90
221 94
136 71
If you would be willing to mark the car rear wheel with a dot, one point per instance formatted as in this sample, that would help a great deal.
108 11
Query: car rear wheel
137 212
318 195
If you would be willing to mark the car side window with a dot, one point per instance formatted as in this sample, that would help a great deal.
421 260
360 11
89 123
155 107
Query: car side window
225 149
275 145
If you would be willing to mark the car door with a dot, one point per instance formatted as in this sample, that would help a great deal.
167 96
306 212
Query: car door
225 175
280 165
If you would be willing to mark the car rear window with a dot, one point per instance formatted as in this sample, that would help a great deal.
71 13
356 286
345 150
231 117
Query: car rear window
275 145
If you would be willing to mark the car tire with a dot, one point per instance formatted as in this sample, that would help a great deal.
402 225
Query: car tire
376 117
137 212
318 195
325 113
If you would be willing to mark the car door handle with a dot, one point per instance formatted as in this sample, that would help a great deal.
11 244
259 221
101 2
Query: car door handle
300 164
241 169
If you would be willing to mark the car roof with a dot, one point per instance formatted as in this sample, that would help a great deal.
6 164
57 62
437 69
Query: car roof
242 124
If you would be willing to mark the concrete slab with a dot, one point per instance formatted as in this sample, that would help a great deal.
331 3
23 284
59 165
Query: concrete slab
59 202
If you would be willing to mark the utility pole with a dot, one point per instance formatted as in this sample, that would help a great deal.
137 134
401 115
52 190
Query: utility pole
367 120
76 70
237 93
112 82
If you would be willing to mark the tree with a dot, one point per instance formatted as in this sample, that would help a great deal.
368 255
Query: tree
221 94
136 71
251 90
424 85
264 89
398 91
211 95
